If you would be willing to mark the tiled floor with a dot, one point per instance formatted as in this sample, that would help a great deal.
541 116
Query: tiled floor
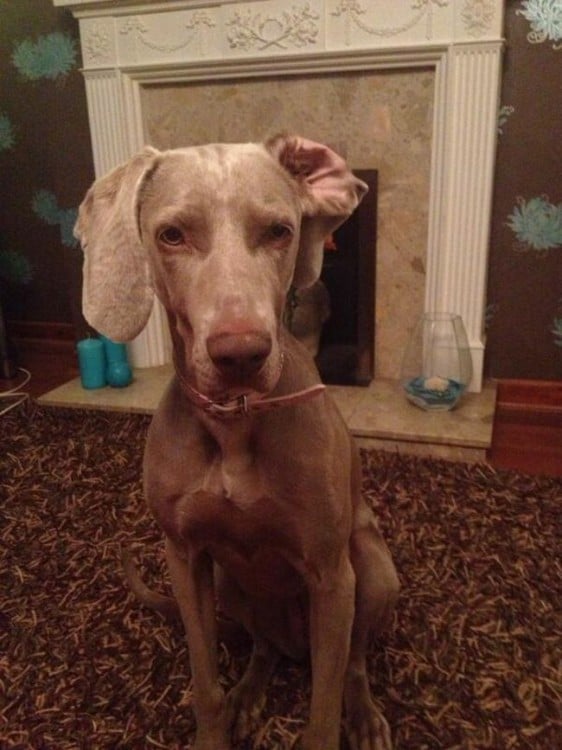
379 415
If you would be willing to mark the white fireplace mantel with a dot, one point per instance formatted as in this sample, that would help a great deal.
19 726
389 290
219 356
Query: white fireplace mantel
128 44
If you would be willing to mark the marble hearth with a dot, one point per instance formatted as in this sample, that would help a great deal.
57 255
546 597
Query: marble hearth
378 416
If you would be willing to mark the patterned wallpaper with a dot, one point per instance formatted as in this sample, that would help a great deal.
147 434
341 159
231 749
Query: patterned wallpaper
46 163
524 311
45 157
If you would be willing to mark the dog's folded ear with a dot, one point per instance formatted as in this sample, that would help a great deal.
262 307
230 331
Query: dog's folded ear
329 194
117 290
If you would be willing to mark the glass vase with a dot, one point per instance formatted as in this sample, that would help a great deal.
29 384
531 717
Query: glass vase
437 364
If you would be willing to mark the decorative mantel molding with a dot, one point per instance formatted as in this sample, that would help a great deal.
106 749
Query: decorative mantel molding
127 44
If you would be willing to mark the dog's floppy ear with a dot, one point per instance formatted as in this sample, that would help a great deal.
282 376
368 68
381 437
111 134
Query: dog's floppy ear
329 193
117 291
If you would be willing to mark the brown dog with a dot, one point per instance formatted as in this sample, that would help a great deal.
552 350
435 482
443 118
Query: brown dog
249 468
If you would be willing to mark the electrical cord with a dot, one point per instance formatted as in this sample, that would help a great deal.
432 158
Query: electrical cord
15 393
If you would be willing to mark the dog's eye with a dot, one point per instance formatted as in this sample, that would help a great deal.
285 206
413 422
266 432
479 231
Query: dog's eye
171 236
280 232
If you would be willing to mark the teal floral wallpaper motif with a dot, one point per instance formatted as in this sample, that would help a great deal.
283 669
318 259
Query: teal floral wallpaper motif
537 224
7 137
45 206
15 267
52 56
489 313
545 17
504 114
43 130
524 305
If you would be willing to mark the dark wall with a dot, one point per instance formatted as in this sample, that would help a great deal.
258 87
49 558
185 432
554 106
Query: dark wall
45 161
46 166
525 270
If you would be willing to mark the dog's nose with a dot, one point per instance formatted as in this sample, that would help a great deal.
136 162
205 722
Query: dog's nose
239 355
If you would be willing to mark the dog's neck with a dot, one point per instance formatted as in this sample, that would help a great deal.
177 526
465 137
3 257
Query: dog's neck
231 424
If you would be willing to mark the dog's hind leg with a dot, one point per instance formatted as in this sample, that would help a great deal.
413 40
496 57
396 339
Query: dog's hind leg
377 590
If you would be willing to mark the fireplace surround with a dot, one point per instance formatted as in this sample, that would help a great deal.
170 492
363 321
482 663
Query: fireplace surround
131 44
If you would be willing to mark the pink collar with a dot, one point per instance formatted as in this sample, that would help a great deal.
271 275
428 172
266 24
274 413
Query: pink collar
244 405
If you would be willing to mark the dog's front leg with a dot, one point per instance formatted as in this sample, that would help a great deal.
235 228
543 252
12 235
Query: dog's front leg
331 619
192 583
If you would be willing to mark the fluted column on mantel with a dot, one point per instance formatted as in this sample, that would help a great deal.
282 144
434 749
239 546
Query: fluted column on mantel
469 140
107 123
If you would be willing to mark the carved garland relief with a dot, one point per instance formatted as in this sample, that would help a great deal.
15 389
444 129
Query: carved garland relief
297 28
97 43
258 30
477 16
353 12
195 27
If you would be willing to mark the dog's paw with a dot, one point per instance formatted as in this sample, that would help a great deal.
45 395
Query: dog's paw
209 742
244 706
366 728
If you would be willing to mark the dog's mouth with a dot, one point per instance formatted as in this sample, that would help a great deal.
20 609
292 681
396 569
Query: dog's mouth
231 381
232 362
255 379
245 404
238 381
221 398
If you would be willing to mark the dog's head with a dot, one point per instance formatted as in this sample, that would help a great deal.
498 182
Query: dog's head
219 233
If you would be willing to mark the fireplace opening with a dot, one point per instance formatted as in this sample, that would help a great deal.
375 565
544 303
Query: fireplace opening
335 318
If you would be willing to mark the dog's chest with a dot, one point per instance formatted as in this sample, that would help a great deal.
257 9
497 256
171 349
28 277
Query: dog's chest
235 478
233 470
247 530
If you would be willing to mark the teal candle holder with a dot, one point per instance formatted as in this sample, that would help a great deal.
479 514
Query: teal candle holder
118 371
92 363
119 374
114 351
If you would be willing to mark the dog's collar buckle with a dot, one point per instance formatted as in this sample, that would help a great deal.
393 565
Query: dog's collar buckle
242 402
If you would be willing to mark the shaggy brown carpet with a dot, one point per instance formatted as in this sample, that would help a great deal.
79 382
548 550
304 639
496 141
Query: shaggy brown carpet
473 660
